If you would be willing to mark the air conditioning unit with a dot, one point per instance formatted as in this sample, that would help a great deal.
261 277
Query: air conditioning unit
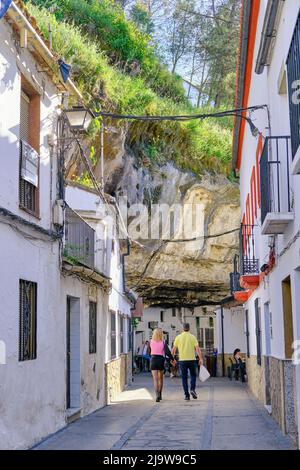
58 212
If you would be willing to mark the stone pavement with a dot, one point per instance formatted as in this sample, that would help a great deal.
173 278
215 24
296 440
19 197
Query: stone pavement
225 416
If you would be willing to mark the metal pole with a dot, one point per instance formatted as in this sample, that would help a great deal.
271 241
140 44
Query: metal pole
132 350
102 154
222 329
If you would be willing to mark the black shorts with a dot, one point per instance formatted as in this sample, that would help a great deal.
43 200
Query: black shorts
157 363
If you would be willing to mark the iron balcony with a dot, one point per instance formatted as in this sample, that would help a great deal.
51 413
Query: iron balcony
275 185
249 262
79 240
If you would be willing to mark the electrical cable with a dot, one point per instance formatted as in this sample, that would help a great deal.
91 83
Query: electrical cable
183 117
155 252
49 233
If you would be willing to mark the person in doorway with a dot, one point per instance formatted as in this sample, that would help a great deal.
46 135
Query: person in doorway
146 356
240 366
159 351
187 346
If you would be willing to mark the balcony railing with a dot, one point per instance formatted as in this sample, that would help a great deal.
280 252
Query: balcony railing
235 283
293 76
235 277
249 263
79 240
276 210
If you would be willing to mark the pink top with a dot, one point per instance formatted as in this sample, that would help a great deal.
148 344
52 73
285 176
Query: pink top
157 348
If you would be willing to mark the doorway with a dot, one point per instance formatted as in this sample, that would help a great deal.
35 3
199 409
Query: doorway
287 317
73 353
267 324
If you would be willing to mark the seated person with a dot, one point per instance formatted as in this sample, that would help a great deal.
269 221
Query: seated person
239 363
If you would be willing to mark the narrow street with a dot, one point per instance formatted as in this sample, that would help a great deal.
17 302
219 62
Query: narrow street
225 416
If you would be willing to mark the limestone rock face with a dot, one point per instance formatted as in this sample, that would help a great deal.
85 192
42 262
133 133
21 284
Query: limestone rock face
177 273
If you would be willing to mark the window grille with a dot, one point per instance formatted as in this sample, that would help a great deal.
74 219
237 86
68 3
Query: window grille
122 345
209 338
247 332
258 331
28 320
200 337
93 328
129 323
113 349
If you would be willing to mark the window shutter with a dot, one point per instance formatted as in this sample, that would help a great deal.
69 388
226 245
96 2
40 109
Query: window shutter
29 164
24 117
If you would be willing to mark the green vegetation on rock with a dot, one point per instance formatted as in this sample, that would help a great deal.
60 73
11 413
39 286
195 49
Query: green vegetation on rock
117 70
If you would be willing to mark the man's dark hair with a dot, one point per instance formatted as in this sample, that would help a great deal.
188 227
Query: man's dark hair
186 327
236 351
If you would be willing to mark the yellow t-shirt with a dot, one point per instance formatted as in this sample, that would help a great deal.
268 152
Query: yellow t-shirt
186 344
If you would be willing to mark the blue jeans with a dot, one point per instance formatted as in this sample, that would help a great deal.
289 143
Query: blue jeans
186 366
146 362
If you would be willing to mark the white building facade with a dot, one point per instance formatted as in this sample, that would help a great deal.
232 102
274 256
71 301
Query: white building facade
64 316
114 302
268 166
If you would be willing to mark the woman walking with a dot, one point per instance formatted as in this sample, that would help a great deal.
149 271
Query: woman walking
159 350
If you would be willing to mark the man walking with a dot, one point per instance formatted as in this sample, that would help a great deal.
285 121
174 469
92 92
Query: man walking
187 345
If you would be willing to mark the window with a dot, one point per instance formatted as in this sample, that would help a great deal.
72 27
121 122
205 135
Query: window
113 351
200 337
129 329
247 332
258 331
211 322
93 328
161 316
209 338
173 312
197 322
122 342
29 148
293 87
27 318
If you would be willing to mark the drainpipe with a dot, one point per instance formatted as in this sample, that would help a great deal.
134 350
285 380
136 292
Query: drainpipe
222 332
17 16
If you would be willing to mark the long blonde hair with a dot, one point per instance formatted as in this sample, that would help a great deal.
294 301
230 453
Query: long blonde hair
157 334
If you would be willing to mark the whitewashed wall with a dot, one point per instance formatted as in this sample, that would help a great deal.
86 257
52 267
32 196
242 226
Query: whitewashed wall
88 204
234 330
32 393
12 63
264 90
92 374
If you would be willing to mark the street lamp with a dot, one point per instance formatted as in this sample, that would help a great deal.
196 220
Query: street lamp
79 118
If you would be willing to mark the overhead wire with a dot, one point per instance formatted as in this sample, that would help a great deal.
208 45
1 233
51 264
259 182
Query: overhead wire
183 117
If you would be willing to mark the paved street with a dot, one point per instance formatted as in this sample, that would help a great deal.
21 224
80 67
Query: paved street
225 416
